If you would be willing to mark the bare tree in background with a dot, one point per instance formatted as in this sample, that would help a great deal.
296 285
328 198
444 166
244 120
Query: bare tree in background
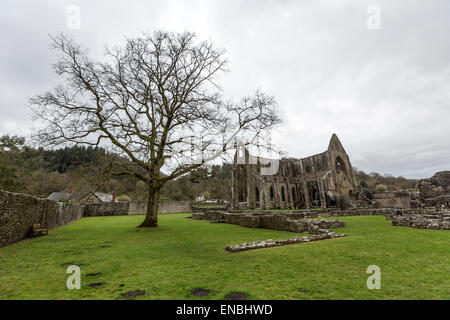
155 100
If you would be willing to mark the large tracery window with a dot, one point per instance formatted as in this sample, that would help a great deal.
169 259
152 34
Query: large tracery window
340 165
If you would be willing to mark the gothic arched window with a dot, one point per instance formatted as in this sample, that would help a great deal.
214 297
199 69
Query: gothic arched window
308 168
340 165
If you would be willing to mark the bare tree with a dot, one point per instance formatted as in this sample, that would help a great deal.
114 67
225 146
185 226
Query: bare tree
155 100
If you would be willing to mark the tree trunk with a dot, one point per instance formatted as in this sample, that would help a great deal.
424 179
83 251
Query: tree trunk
151 219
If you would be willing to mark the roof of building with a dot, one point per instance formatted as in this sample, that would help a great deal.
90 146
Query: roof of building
59 196
78 196
104 197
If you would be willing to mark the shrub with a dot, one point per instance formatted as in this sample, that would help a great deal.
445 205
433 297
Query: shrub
123 198
380 188
363 184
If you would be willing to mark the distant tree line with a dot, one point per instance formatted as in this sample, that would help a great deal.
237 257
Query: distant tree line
40 172
377 182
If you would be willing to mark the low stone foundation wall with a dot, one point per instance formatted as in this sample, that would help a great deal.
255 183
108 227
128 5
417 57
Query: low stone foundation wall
18 213
360 211
284 222
354 212
418 212
326 212
434 222
214 216
207 208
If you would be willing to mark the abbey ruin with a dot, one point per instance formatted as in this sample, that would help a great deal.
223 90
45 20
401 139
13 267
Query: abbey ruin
320 181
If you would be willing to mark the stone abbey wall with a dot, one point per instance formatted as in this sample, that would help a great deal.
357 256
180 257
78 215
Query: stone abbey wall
320 181
18 213
392 200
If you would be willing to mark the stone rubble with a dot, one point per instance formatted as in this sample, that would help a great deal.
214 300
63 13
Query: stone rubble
277 243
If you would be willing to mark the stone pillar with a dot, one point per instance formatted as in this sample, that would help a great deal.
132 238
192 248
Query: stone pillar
234 187
262 196
251 192
288 196
277 199
323 200
306 193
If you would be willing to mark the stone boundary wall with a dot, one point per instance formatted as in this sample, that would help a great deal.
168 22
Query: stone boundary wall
134 208
106 209
164 207
137 208
174 207
18 213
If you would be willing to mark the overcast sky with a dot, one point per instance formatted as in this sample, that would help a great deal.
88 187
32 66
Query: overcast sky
385 92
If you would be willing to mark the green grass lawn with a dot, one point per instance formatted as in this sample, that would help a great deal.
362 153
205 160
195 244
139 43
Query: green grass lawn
181 254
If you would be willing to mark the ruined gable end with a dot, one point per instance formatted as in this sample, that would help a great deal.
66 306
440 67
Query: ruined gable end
335 144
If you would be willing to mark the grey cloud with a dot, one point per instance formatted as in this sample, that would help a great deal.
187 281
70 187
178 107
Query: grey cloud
384 92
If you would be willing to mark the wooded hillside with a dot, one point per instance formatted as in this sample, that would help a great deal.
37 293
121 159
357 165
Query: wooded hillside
40 172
